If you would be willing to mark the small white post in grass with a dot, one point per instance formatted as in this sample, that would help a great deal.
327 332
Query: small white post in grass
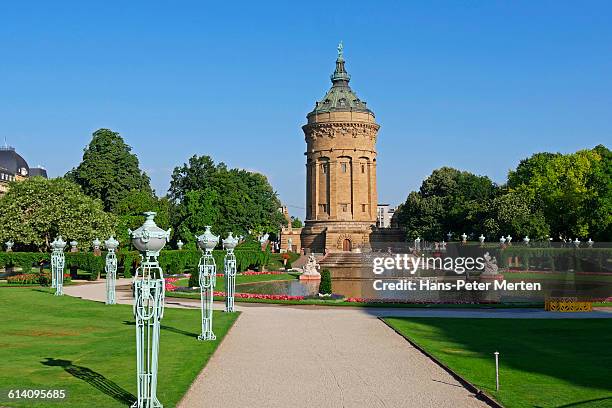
496 370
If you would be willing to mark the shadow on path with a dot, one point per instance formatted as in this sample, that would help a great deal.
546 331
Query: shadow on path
94 379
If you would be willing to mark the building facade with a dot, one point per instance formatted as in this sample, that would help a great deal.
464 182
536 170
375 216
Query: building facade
341 196
13 167
384 216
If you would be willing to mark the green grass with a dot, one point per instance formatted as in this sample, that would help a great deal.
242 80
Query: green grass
88 349
557 276
543 363
220 282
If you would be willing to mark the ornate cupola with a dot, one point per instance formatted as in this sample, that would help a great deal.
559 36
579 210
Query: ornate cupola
340 97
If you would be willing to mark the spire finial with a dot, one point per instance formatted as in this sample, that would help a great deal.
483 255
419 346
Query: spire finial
340 49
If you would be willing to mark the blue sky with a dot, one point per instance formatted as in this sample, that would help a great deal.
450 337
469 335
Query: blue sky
477 85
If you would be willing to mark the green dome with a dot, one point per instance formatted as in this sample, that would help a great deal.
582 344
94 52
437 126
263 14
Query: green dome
340 97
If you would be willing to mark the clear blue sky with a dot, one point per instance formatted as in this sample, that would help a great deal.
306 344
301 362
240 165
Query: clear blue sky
477 85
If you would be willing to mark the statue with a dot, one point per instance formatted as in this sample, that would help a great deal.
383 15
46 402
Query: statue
311 269
340 49
490 267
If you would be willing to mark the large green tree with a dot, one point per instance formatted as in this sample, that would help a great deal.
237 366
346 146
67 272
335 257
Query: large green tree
234 200
448 200
572 191
109 170
36 210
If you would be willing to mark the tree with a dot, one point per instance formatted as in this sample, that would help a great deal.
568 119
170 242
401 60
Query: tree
513 213
448 200
109 170
296 222
572 191
195 175
36 210
235 200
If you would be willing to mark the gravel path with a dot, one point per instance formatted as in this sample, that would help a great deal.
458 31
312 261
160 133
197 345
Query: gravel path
282 356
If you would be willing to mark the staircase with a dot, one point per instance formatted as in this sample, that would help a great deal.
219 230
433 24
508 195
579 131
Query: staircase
347 265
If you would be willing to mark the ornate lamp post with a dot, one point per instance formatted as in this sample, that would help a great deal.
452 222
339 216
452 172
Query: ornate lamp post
58 261
208 276
73 246
96 247
149 286
179 245
111 269
229 244
9 245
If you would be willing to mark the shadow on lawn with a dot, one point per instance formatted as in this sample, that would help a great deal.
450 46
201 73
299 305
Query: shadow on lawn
94 379
167 328
579 403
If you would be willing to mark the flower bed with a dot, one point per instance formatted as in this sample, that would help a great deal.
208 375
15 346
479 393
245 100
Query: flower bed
33 278
260 296
412 302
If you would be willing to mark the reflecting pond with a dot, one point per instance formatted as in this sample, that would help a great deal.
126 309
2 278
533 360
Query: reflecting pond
367 288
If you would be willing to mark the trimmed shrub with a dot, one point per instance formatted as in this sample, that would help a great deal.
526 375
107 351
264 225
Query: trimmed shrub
325 287
194 280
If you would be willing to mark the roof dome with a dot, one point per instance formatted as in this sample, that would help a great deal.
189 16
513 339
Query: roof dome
340 97
13 162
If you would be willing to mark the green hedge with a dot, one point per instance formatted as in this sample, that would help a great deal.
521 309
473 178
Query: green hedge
172 261
559 259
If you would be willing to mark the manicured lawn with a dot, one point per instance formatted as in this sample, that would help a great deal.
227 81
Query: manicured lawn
220 283
557 276
543 363
89 349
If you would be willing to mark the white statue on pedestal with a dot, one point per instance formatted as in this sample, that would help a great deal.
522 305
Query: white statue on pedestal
490 267
311 269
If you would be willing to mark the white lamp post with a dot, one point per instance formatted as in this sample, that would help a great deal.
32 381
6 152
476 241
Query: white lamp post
207 279
111 269
417 244
229 244
149 286
58 262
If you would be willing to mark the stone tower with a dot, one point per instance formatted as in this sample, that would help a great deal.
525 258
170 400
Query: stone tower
340 154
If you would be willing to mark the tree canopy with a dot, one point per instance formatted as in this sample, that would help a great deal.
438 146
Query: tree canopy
448 200
36 210
109 170
548 194
235 200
